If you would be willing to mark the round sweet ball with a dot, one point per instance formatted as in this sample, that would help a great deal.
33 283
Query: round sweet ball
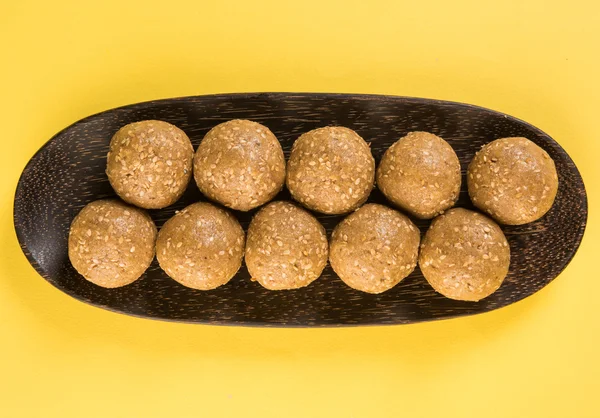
331 170
513 180
111 244
149 163
420 174
464 255
286 247
374 248
240 164
201 246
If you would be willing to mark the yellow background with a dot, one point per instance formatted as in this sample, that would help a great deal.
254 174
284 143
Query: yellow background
61 61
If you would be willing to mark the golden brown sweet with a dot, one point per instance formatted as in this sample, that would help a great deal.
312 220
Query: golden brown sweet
331 170
201 247
240 164
374 248
513 180
420 174
286 247
111 244
464 255
150 163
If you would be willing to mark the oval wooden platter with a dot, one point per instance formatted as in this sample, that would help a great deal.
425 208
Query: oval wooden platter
68 172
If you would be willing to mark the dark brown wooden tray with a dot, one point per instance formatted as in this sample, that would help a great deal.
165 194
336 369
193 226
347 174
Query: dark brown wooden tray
68 172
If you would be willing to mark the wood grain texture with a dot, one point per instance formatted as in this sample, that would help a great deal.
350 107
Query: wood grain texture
68 172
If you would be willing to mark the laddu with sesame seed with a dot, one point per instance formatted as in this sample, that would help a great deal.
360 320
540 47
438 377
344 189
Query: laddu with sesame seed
374 248
331 170
111 244
149 163
201 246
464 255
286 247
240 164
420 174
513 180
